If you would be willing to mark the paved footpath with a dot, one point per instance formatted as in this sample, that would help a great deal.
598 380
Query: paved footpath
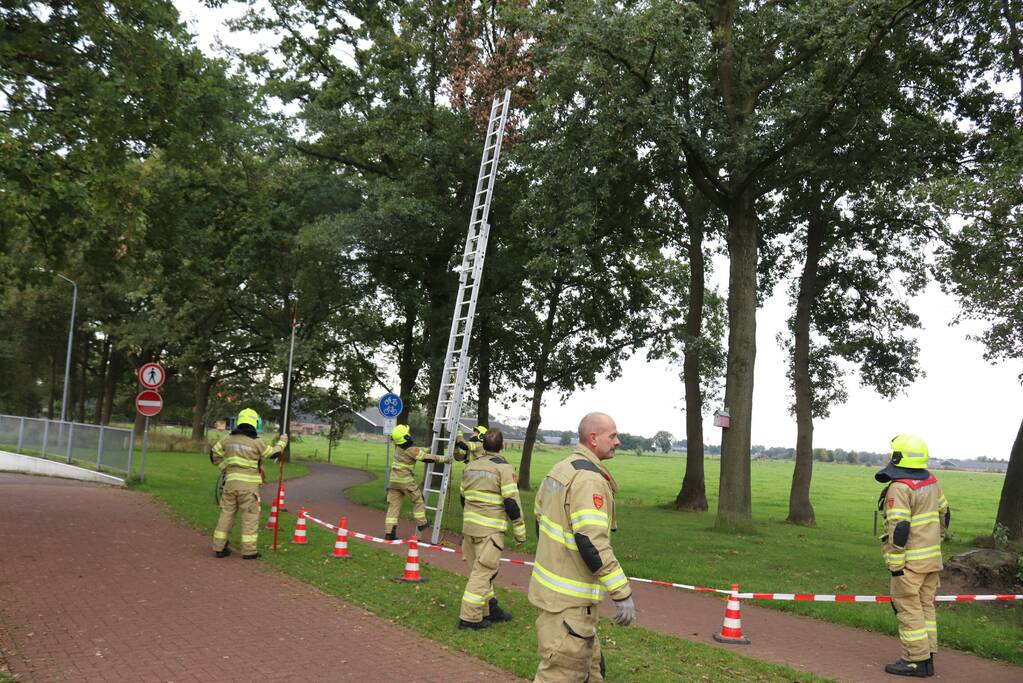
840 652
103 585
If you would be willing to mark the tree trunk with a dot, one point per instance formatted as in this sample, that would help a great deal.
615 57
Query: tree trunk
800 507
1010 506
539 386
734 495
113 377
693 494
53 388
80 410
407 369
203 384
104 374
483 363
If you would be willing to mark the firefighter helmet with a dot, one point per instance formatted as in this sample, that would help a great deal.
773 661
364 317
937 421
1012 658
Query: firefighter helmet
909 451
400 433
480 431
248 416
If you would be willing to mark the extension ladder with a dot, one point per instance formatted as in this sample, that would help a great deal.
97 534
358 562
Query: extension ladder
456 358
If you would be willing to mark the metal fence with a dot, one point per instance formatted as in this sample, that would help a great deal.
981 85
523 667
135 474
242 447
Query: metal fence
93 446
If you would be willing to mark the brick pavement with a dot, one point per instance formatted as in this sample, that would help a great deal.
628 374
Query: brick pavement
102 585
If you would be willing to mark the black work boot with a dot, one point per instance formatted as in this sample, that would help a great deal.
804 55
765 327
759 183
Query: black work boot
251 557
497 613
904 668
930 665
425 525
223 553
391 535
474 625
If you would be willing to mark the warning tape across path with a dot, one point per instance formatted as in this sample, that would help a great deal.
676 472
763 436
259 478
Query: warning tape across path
800 597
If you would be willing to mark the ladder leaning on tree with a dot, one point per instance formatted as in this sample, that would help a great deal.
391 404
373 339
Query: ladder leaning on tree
456 358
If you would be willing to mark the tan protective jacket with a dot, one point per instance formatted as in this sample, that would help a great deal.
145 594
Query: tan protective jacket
403 466
474 452
575 513
490 497
241 458
916 521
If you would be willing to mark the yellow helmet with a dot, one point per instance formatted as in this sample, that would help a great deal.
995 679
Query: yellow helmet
481 431
909 451
248 416
399 434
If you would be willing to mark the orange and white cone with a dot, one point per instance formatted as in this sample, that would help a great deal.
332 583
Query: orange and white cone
731 630
341 543
280 500
299 536
411 574
272 522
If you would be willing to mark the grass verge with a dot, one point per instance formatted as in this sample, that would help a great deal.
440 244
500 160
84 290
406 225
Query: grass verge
184 482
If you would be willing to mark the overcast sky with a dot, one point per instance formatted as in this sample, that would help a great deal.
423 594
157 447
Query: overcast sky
964 407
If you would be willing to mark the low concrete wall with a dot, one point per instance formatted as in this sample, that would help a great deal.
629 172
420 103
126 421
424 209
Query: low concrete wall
12 462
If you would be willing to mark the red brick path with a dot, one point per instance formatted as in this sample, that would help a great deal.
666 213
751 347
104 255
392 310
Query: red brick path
102 585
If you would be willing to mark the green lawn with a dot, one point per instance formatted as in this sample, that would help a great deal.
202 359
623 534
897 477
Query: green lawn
840 555
185 482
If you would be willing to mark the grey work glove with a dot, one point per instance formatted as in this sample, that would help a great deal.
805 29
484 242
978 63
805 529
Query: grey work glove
625 611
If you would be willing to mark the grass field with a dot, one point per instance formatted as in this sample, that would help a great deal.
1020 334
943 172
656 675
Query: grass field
839 555
185 482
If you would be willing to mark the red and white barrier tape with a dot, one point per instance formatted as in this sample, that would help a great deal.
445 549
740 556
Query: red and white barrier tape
800 597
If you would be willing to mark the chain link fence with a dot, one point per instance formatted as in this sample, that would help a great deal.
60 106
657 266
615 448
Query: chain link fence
105 449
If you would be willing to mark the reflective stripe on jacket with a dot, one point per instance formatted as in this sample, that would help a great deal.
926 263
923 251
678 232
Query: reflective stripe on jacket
240 458
575 513
403 466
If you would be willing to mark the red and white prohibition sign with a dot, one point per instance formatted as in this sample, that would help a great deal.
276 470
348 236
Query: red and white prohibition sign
151 375
149 403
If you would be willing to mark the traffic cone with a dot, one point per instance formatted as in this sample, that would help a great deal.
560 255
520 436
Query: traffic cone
731 630
411 574
272 522
280 501
341 543
299 536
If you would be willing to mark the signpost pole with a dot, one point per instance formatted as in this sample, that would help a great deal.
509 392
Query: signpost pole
145 447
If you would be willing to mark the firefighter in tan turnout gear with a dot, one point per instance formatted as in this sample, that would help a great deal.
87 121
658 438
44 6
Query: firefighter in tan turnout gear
467 451
575 565
402 481
916 521
490 501
240 456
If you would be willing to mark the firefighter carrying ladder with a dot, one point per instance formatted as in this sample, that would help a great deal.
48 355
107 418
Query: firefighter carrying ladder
456 358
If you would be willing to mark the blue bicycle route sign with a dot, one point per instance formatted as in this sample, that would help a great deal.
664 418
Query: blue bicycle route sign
390 405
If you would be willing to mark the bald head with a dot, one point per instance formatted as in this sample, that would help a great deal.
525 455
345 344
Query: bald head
598 433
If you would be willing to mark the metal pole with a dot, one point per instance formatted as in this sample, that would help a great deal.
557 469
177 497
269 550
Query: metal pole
287 390
131 452
70 440
330 438
387 467
99 449
21 434
46 434
70 341
145 446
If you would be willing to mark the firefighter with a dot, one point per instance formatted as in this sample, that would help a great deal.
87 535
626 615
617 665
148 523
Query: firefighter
240 456
916 518
403 483
467 451
490 500
575 564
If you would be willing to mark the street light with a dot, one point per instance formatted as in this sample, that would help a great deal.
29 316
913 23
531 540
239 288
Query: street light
70 340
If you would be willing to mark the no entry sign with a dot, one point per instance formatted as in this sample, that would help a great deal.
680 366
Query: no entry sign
149 403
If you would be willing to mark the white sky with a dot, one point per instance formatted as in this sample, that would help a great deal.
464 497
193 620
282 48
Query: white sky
964 407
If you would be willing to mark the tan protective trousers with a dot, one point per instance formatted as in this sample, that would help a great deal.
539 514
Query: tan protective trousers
395 494
913 599
569 647
243 498
483 555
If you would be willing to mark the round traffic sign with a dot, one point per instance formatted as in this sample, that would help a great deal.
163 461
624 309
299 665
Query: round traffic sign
390 405
151 375
149 403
